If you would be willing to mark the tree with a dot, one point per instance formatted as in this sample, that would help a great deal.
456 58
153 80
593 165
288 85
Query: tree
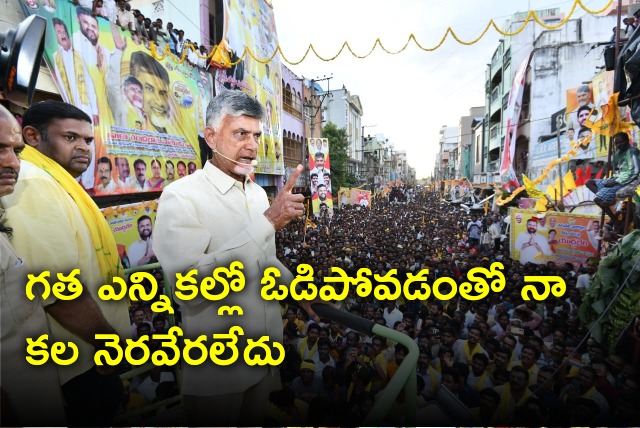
338 144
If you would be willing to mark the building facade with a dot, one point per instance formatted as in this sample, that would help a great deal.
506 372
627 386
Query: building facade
465 142
293 125
446 158
345 111
558 60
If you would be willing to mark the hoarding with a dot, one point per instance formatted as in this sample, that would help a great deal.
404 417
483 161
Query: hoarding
558 237
143 107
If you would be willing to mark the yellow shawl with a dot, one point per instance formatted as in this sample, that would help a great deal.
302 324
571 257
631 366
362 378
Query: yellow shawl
101 235
304 351
81 79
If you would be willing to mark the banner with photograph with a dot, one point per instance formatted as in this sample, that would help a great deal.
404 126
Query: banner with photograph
320 177
250 23
507 173
602 90
132 226
579 105
557 237
142 108
350 196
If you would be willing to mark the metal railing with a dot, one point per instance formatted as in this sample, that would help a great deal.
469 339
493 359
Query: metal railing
405 377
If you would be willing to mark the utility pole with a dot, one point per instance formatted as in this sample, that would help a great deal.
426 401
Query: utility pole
312 103
610 152
560 201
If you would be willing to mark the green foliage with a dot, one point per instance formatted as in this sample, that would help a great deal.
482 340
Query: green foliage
338 145
621 267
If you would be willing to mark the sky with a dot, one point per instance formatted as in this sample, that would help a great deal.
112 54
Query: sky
410 95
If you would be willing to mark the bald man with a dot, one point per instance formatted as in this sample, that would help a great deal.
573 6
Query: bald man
52 219
21 317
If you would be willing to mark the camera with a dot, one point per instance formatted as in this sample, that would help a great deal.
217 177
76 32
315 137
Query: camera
21 52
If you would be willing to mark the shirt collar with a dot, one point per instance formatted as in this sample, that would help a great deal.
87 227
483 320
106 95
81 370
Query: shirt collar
222 181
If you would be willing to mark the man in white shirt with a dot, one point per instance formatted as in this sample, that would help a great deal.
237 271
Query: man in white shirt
494 230
322 358
71 72
464 350
531 245
141 251
123 169
59 240
210 219
20 316
124 17
69 69
140 184
320 167
107 185
583 280
391 313
474 227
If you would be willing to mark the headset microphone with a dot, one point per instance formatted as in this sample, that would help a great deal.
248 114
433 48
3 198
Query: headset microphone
254 163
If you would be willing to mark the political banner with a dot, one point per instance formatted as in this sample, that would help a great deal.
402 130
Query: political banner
143 107
602 90
250 23
359 197
320 177
558 237
579 105
132 226
507 173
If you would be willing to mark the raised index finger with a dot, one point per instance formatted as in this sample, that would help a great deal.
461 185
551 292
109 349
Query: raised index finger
288 186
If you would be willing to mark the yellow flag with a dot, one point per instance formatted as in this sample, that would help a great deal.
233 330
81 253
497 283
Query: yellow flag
608 120
554 191
541 204
568 182
532 190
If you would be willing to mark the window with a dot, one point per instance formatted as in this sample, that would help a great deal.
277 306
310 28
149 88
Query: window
493 132
291 102
292 149
307 110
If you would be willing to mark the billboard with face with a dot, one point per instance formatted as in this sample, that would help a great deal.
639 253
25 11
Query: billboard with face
146 110
250 23
320 177
558 237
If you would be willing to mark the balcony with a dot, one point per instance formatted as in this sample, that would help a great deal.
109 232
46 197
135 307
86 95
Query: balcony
496 104
493 166
289 108
494 143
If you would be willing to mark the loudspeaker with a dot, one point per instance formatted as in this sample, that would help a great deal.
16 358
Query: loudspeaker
610 58
21 52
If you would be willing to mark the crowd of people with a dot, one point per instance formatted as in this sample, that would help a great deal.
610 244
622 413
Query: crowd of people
507 360
145 30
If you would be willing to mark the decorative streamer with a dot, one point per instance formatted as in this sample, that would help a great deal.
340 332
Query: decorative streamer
531 16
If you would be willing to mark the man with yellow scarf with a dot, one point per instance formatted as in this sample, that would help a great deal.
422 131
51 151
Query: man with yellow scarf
20 317
57 227
513 394
464 350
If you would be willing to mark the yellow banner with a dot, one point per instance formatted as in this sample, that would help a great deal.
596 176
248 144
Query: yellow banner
556 236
